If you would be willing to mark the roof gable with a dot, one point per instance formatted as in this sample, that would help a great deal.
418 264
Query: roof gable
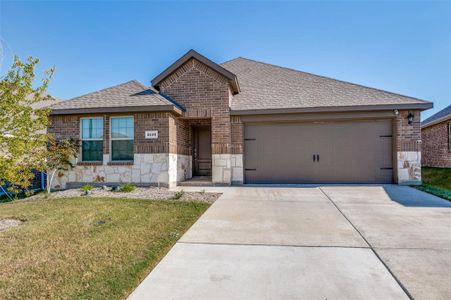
191 54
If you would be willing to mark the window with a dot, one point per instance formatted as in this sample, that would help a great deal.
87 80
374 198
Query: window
122 135
91 139
449 136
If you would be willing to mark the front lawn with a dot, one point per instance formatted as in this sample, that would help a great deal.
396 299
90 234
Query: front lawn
436 181
87 248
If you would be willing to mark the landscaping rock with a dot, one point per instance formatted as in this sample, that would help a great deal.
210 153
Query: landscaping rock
151 193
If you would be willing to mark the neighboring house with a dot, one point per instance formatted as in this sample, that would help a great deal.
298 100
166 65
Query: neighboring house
241 121
436 135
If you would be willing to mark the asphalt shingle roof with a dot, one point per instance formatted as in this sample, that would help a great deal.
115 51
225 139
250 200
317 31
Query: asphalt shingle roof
443 114
262 87
265 86
128 94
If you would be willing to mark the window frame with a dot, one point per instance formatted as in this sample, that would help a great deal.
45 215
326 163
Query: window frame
121 139
91 139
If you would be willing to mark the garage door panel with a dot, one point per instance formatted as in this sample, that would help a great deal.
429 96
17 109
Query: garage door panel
269 148
359 152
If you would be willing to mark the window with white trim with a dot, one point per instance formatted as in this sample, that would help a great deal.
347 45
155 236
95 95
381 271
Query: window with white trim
91 139
122 138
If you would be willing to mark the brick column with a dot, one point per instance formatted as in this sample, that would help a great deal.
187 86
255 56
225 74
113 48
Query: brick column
408 148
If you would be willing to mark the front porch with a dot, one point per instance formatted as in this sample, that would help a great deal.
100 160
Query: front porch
208 167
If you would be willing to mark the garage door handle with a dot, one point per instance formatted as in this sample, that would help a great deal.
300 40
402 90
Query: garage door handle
314 157
317 157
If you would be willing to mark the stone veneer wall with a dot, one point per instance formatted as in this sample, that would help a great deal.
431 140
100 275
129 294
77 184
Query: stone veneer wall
237 169
147 169
434 148
184 167
227 169
160 169
221 169
408 148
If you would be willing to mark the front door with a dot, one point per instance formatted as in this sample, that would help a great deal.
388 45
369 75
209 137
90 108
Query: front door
202 151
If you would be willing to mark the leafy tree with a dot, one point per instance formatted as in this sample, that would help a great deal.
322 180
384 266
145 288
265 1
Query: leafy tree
59 155
23 138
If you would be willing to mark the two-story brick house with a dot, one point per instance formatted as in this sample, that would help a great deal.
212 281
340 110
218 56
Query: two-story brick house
241 121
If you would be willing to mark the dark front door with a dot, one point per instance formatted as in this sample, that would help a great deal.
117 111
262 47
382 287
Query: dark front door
202 151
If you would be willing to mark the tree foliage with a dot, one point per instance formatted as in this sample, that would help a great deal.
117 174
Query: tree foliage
59 157
23 138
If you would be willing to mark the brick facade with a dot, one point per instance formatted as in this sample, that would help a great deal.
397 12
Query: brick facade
205 94
408 136
68 126
435 148
237 135
175 133
152 121
65 126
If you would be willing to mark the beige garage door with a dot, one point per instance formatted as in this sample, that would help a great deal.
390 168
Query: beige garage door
329 152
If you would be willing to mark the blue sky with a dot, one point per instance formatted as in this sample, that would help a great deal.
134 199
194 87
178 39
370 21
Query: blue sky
403 47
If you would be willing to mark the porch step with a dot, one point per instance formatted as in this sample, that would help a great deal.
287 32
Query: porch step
197 181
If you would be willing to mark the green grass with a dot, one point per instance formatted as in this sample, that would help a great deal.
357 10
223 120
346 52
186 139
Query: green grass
87 248
436 181
441 192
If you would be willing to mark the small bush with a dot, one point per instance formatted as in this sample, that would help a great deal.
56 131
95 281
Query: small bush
126 188
86 188
179 194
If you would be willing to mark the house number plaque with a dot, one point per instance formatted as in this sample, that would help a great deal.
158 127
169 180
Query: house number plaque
151 134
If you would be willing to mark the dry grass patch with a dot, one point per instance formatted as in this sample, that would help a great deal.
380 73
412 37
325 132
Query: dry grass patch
90 248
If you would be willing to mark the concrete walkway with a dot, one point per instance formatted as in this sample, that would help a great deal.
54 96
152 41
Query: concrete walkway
328 242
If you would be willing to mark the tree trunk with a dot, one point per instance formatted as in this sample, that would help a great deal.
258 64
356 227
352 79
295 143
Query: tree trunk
50 181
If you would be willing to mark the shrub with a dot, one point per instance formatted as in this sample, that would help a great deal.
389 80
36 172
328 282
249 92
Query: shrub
86 188
179 194
126 188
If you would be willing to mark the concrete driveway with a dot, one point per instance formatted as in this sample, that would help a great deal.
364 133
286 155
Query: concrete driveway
328 242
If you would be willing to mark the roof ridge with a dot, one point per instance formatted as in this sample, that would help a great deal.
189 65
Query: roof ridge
138 83
232 60
329 78
102 90
437 116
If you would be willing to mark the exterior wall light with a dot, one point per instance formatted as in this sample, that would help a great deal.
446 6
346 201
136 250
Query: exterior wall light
410 118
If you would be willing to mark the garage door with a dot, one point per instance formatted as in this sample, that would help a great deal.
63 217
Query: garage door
329 152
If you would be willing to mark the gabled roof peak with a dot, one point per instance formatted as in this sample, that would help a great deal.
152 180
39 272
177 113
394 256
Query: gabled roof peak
194 54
